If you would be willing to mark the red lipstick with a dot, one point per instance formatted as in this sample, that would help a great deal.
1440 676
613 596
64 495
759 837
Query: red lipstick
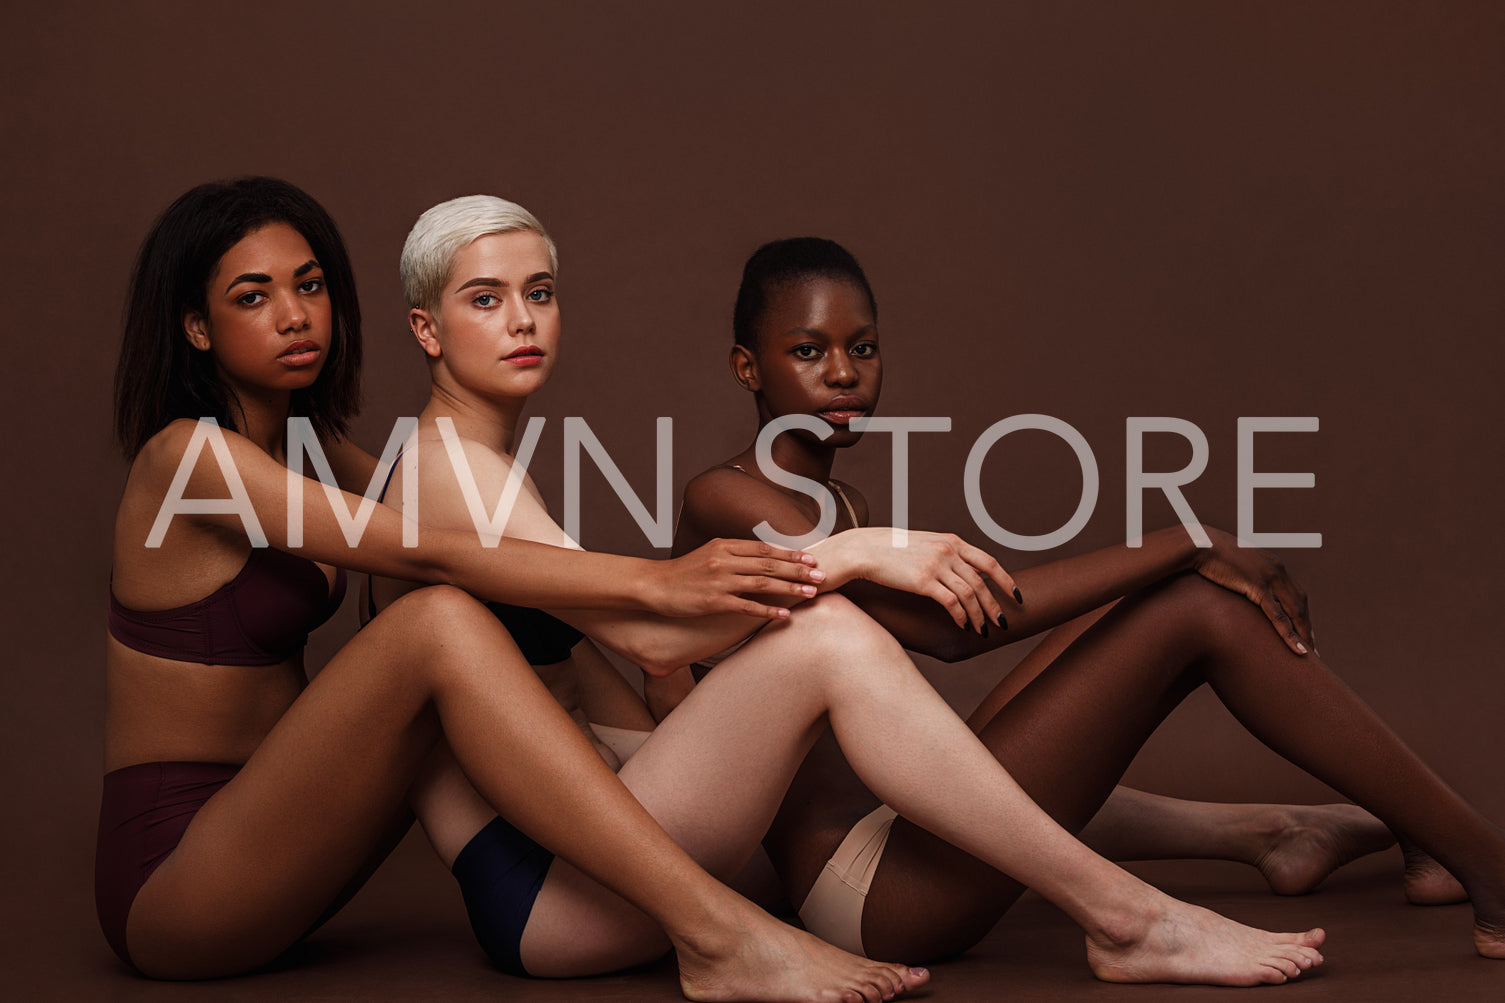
527 355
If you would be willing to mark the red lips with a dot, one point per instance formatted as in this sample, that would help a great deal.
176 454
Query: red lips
526 355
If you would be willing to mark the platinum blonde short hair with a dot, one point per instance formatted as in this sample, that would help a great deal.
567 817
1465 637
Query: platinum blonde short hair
428 255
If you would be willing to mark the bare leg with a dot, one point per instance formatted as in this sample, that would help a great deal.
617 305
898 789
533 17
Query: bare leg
268 853
1068 735
715 770
1295 847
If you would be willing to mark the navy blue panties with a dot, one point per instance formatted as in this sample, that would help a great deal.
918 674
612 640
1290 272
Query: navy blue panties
500 872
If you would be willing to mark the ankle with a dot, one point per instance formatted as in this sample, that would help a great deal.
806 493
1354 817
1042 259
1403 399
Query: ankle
710 932
1122 923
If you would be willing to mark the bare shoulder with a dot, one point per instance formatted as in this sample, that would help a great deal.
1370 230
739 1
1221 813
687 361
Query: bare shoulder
159 461
857 499
477 463
728 502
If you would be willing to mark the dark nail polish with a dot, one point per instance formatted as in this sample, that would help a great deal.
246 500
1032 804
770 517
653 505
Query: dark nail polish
1018 597
1002 623
984 630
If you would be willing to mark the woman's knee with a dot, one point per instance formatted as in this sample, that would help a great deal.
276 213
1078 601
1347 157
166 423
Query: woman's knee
430 610
444 629
1193 603
832 624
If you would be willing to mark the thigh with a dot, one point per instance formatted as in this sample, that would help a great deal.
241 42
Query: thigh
712 774
1034 663
1066 734
269 854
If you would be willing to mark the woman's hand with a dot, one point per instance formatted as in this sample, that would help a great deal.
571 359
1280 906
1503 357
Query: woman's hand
716 577
942 566
1260 577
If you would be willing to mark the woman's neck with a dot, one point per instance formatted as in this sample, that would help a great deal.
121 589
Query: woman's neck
491 422
263 419
795 453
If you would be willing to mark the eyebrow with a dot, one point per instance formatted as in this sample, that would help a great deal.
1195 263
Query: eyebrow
298 272
487 280
815 332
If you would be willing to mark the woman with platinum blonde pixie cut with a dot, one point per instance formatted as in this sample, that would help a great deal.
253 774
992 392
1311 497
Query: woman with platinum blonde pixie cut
245 803
429 252
715 770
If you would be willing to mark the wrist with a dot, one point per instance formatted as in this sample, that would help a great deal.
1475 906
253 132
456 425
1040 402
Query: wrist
648 588
838 557
1192 556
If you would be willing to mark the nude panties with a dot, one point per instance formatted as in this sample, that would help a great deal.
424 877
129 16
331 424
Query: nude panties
833 909
142 817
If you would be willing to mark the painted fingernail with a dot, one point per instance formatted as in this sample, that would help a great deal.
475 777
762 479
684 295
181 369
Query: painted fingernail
983 630
1002 623
1018 597
1300 648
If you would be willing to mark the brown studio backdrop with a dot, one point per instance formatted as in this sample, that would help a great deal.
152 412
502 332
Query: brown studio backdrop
1152 209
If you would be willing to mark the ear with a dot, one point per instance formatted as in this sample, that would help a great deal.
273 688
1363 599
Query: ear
745 368
426 329
196 329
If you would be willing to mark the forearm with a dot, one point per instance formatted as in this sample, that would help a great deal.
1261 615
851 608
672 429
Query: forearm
660 645
1053 594
535 574
1063 590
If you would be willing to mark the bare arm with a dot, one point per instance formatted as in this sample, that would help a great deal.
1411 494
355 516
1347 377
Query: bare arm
936 565
657 643
732 502
510 571
354 468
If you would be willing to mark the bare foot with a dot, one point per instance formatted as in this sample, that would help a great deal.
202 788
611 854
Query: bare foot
1172 941
767 960
1427 882
1309 842
1489 939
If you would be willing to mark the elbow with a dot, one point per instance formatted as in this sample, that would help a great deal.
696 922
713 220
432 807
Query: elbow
659 662
949 652
951 644
650 654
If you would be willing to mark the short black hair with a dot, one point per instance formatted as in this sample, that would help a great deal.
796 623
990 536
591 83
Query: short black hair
160 377
785 262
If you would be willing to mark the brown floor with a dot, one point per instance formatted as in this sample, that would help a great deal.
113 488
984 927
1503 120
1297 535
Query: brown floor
405 938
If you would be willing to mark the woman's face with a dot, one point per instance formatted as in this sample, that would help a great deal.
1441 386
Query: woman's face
497 326
268 320
817 353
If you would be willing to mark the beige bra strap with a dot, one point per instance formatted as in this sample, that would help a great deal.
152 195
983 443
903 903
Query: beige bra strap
841 495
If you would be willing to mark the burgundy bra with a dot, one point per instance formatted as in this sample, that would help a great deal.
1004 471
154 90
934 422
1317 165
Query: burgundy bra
262 616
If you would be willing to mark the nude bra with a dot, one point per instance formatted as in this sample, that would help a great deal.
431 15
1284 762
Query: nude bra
262 616
542 639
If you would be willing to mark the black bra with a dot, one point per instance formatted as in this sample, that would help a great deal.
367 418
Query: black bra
542 639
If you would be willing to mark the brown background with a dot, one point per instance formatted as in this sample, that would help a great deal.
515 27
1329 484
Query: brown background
1090 211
